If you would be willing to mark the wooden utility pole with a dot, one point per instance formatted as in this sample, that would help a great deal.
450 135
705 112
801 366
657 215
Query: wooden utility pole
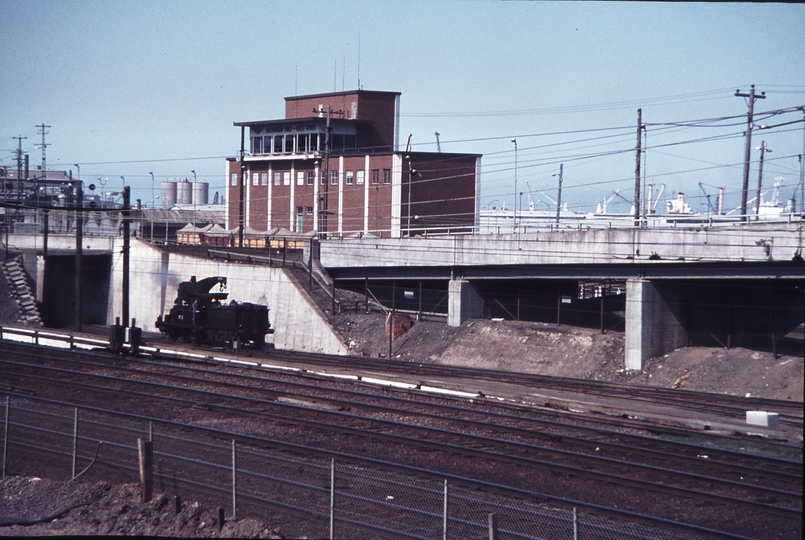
763 151
79 252
747 152
126 252
638 153
559 195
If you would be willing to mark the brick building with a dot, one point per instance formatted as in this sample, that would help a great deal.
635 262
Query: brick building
333 165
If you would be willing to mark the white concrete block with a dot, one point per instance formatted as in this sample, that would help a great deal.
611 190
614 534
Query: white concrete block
762 418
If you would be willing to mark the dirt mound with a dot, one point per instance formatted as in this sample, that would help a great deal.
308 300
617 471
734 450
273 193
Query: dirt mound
566 351
110 510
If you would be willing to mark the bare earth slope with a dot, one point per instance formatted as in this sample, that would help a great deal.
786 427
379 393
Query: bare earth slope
566 351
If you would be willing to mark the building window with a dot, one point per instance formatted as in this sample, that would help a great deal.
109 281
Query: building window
263 179
323 178
255 179
349 143
311 178
278 144
333 178
289 144
277 177
267 144
309 211
300 178
286 178
387 176
359 179
257 145
233 179
302 144
337 143
350 177
375 176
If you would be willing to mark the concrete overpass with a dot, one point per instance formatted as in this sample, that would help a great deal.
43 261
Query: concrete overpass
721 280
658 266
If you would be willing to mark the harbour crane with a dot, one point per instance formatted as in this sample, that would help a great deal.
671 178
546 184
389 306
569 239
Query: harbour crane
707 195
602 206
553 201
530 198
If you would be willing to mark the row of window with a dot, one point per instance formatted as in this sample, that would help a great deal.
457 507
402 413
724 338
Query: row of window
301 143
283 178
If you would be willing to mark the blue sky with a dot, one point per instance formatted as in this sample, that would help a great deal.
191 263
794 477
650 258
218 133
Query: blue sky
136 86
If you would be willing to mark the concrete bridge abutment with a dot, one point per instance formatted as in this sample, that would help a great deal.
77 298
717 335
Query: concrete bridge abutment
654 321
463 302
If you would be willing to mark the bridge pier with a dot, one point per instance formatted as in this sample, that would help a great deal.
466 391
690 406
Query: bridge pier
654 321
463 302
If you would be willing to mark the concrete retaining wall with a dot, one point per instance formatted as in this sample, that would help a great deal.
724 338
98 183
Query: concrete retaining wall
155 276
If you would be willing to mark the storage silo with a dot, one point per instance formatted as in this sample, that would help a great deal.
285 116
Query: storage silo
201 192
184 192
168 194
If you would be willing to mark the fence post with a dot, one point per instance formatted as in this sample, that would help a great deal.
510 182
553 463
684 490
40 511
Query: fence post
493 526
575 525
234 482
444 522
75 441
146 454
332 497
5 435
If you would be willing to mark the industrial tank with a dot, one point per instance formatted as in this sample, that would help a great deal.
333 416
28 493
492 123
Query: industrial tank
184 192
168 194
201 192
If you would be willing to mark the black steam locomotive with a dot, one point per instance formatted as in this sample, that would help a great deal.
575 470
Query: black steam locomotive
199 316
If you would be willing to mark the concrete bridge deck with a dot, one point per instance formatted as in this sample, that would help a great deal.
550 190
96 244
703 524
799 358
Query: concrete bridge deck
737 250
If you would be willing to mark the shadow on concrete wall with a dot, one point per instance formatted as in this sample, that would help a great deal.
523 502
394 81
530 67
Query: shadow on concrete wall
58 302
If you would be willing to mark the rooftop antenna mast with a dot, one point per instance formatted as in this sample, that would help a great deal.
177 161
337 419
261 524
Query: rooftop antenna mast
359 61
438 146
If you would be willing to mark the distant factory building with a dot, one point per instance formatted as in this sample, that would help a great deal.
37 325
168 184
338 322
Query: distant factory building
334 166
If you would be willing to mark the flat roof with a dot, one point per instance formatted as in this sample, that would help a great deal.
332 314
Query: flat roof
344 93
314 119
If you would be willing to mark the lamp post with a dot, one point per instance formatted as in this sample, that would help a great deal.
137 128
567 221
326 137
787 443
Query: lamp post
193 196
763 151
153 199
802 166
410 178
514 222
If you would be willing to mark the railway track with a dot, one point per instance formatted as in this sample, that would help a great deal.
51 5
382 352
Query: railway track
454 435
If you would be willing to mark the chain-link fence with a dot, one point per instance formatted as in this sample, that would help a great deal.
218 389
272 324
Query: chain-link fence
303 495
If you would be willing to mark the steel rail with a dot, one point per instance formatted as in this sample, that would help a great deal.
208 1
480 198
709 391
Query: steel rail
733 468
201 359
735 403
418 471
463 410
472 451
